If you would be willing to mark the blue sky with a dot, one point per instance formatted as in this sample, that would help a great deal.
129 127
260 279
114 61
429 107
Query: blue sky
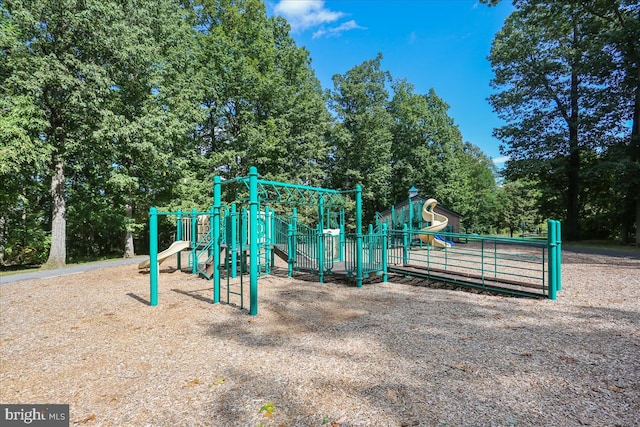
436 44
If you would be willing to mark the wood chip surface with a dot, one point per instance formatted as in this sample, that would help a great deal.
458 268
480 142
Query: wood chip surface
409 352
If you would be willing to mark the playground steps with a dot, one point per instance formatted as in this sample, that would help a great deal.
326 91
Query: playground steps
471 280
205 270
282 254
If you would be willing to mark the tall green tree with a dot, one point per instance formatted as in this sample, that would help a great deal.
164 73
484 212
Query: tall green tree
363 135
52 65
90 73
263 104
554 105
22 239
582 87
477 197
517 205
617 28
150 112
428 152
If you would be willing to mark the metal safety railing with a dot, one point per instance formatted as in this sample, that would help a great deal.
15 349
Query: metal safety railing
373 252
517 266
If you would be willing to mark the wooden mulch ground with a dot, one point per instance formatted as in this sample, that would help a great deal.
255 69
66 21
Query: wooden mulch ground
404 353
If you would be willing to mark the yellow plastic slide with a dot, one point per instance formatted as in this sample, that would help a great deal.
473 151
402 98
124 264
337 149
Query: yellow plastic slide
177 246
437 222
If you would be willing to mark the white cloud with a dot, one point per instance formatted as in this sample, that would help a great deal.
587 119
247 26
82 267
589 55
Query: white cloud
304 14
501 160
336 31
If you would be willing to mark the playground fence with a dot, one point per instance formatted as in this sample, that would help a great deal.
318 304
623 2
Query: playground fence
516 266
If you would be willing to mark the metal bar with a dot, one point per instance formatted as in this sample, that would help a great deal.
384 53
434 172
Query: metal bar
153 256
215 237
194 241
253 240
552 242
179 238
358 236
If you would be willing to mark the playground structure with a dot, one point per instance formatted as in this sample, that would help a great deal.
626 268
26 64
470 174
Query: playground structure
244 237
436 222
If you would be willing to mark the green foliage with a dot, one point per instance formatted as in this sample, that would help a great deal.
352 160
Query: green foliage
363 136
567 75
133 105
94 107
517 205
428 153
262 103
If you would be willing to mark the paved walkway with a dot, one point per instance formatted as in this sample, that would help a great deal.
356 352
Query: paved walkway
73 269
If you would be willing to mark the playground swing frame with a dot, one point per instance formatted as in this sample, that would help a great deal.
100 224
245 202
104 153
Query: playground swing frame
284 193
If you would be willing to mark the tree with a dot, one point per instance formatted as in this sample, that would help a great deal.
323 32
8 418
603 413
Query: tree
618 29
542 60
70 62
428 152
581 88
362 136
518 201
51 65
263 104
477 199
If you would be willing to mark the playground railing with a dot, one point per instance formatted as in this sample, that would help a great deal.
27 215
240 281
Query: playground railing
280 232
374 252
516 266
314 250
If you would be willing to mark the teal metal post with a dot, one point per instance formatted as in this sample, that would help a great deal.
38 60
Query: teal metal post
233 245
294 240
320 253
268 240
210 233
320 236
342 236
370 247
393 216
290 250
559 254
179 237
253 240
385 244
405 244
153 256
552 245
359 272
194 241
215 236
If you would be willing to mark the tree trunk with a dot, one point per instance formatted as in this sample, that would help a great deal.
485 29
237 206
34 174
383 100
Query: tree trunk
634 192
573 171
129 249
58 251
